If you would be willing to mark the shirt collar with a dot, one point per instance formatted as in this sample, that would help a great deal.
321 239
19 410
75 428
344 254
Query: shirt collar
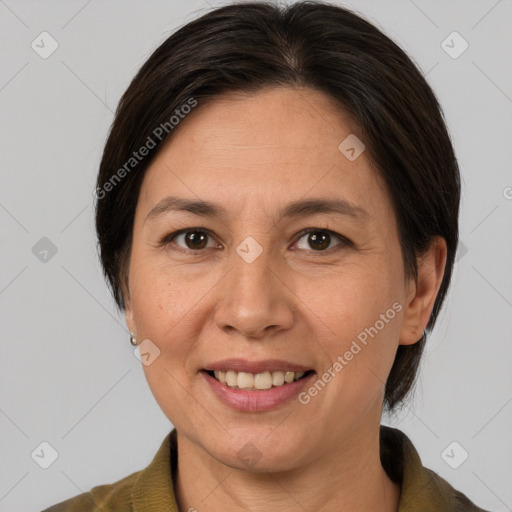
154 488
421 488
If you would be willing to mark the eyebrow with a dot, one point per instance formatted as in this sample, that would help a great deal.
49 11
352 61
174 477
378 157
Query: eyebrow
301 208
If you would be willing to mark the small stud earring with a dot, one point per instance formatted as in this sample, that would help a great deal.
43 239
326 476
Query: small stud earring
133 340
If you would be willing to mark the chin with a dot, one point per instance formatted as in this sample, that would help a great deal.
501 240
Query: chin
257 450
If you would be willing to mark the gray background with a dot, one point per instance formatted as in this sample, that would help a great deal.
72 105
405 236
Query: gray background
68 374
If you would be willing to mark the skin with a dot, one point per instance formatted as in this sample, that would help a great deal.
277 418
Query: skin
253 154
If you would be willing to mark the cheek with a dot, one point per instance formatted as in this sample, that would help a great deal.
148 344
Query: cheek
162 297
358 357
355 298
363 309
169 308
167 311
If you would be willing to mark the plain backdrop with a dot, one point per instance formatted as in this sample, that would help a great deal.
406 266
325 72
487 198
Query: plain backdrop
68 374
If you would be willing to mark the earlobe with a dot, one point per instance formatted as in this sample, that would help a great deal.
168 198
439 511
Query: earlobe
422 293
128 315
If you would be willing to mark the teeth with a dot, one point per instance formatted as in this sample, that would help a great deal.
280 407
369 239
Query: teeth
277 378
245 380
264 380
220 376
231 378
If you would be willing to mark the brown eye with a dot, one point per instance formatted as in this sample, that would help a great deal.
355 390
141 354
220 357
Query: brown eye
320 240
191 239
196 239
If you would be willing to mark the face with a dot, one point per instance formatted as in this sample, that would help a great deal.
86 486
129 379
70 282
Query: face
255 284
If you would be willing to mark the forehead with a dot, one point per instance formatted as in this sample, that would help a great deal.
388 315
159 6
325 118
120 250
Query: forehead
257 149
267 120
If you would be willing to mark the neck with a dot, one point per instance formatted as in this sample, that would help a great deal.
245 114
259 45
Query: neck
350 478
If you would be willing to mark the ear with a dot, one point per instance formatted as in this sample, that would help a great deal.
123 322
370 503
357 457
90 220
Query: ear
422 293
128 315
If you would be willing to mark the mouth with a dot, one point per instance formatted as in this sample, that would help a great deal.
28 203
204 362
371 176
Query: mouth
256 386
257 381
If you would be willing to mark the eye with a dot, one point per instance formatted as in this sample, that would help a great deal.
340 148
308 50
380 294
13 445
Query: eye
194 239
320 240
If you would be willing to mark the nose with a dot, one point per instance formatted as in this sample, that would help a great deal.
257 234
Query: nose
254 299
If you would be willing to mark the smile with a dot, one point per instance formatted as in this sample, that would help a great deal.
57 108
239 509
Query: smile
255 387
256 381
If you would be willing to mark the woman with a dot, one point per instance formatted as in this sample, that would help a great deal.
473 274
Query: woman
277 211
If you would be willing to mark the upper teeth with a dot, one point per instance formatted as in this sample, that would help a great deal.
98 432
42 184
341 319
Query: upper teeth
265 380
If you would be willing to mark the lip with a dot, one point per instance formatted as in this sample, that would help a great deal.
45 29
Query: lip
244 400
268 365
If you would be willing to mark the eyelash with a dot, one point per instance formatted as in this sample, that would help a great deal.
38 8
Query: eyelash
344 241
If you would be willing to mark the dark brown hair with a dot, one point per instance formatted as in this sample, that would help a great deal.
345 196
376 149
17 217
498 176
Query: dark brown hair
248 46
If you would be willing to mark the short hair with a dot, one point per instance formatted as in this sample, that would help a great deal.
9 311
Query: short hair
249 46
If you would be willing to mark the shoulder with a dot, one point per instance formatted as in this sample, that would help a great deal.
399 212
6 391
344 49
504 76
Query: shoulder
151 486
109 497
450 498
422 490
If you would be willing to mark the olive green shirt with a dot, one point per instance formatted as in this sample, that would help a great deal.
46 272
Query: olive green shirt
151 489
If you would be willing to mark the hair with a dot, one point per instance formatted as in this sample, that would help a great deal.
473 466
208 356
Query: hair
245 47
